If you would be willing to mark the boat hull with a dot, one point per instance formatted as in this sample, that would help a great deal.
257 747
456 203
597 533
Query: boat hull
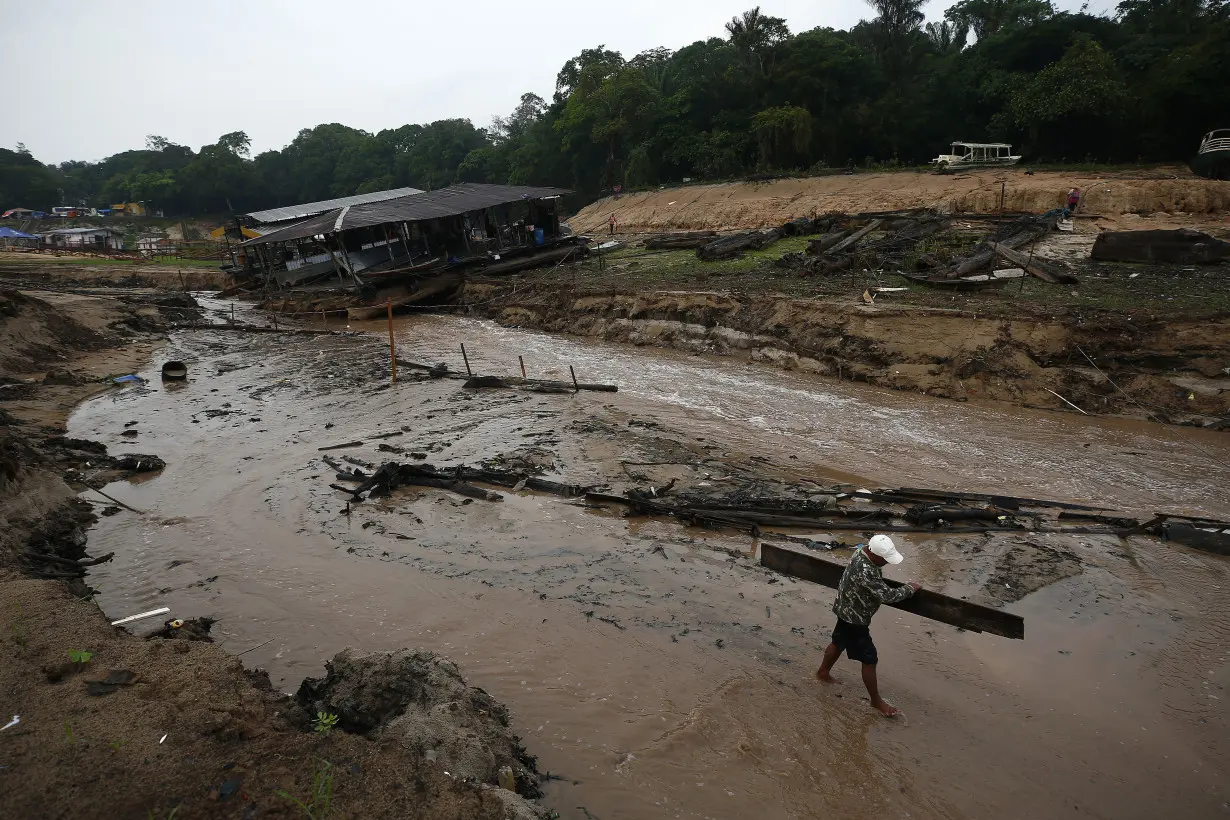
1212 164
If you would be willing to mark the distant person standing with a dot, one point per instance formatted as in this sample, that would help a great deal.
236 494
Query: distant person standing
1074 199
612 224
861 592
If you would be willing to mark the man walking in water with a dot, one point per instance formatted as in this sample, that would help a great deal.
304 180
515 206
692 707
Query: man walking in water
859 595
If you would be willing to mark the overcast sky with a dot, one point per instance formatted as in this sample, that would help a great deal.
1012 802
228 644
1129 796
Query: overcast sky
100 76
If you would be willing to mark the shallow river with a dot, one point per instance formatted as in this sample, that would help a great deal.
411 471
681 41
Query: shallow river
695 698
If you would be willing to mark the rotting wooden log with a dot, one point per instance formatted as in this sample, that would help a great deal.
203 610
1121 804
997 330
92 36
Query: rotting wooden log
1033 267
816 247
853 239
915 494
984 257
340 446
259 329
680 241
924 602
729 247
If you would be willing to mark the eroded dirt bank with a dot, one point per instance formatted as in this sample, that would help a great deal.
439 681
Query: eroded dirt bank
107 724
1166 368
654 667
741 205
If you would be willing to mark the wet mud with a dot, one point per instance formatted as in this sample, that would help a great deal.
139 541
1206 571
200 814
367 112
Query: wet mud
653 668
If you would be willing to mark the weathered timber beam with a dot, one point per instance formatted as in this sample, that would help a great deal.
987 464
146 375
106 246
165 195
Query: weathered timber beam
928 604
853 239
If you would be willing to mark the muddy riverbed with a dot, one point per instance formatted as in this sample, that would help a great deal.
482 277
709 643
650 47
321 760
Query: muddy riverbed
656 669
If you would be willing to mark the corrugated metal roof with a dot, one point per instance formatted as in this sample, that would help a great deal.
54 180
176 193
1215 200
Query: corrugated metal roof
82 230
313 208
458 199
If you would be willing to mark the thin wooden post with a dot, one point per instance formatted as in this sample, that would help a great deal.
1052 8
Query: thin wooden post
466 359
232 312
392 345
324 320
575 387
522 360
1003 187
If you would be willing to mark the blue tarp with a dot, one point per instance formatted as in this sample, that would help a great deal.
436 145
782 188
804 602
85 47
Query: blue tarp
9 233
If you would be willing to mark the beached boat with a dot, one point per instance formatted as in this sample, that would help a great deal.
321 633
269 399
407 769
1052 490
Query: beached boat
1213 159
970 155
440 285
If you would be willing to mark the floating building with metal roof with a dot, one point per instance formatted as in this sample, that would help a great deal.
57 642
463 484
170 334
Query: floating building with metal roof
309 209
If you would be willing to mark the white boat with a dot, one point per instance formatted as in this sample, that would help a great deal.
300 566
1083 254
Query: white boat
1213 161
966 155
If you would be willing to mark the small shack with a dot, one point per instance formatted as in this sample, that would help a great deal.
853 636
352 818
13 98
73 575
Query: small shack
17 213
92 239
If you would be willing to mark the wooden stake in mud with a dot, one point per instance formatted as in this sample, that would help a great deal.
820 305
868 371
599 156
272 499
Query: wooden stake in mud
232 313
1003 189
522 360
324 321
466 359
392 346
575 387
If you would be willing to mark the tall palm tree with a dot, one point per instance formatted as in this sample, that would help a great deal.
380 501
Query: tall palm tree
753 34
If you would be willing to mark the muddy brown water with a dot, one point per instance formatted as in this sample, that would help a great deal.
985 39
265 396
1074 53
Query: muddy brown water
694 698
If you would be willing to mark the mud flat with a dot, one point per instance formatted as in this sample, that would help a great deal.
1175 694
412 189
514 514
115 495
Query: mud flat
655 668
107 724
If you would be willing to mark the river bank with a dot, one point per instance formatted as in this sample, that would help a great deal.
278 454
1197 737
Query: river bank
174 725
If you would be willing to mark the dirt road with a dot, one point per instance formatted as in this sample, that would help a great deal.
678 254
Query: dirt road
656 669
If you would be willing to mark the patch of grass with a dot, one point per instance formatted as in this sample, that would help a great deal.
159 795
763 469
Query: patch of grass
80 656
319 802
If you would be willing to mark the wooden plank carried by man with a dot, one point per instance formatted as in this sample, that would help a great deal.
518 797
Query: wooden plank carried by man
924 602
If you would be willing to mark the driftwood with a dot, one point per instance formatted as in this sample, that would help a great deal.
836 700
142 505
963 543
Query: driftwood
340 446
816 247
984 258
853 239
680 241
729 247
1033 267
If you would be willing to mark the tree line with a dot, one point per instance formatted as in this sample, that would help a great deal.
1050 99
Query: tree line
1140 86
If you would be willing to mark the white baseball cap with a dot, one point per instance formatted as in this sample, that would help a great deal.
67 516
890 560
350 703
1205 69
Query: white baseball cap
884 547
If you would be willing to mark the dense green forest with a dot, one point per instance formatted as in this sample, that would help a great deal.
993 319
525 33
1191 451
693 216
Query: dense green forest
1143 85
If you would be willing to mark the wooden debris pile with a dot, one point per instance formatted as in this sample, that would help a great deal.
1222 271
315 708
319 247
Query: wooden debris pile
900 241
841 509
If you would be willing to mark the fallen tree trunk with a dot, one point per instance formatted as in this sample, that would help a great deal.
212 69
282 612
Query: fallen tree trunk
853 239
1033 267
983 258
680 241
816 247
924 602
728 247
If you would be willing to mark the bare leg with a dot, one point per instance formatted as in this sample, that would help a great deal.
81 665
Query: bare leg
831 654
873 689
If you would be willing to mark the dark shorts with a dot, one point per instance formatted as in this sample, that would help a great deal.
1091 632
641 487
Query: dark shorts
855 641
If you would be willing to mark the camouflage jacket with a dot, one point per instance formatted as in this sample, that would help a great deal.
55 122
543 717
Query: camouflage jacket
862 590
